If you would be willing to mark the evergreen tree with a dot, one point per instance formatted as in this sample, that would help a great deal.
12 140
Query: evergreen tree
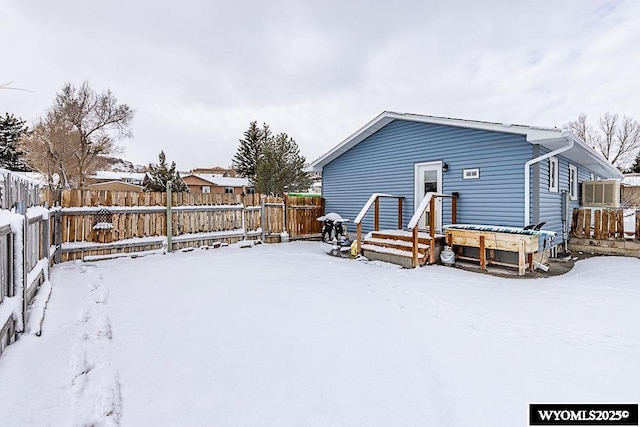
159 175
636 166
280 167
246 158
11 155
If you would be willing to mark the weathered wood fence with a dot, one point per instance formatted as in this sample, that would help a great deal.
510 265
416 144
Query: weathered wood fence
98 223
602 231
602 224
24 254
13 188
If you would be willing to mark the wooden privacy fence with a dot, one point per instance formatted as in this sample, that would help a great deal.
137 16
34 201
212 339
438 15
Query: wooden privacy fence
98 223
24 266
602 224
302 216
15 188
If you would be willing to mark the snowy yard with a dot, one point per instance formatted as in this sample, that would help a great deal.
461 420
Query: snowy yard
284 335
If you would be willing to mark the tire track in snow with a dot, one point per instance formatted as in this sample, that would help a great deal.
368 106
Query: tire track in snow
95 384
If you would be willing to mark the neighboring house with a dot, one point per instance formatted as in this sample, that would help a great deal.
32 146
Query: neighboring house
631 190
216 170
489 165
136 178
116 181
115 186
210 183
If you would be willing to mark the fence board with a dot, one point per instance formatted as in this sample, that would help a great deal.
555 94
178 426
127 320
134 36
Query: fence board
608 224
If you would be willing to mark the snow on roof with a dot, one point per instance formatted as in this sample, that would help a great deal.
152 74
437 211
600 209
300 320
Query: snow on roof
119 176
222 181
550 138
632 179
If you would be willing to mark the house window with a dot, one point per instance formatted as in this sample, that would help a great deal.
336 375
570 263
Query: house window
250 190
228 190
573 182
471 173
553 174
592 177
206 189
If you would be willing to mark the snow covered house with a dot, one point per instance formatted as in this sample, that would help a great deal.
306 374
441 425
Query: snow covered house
116 181
500 174
217 183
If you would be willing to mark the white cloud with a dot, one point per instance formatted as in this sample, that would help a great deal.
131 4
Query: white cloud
198 72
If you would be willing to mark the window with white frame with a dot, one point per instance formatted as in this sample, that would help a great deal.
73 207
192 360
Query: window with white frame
228 190
553 174
206 189
592 177
573 182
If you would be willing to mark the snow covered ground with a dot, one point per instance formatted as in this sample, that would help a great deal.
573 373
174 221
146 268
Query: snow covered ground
284 335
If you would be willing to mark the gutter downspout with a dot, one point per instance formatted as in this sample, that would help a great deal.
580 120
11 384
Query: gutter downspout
527 167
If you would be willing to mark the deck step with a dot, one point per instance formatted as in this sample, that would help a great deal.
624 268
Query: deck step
404 236
392 251
395 244
403 258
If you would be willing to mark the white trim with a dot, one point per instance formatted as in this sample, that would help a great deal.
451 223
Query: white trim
573 186
417 191
527 178
554 174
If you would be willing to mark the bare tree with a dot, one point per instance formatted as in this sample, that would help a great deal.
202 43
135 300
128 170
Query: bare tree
51 148
617 139
81 126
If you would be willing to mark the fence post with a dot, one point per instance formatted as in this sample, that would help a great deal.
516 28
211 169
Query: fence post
44 233
169 218
20 209
263 222
284 215
244 216
57 235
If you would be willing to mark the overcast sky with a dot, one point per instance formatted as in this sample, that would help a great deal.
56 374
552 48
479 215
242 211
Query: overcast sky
198 71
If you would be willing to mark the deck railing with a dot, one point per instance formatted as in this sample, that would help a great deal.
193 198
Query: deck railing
428 201
374 201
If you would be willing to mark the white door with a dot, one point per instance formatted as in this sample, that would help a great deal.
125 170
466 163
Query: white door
428 178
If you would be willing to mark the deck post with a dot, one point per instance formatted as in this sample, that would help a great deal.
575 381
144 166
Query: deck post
454 210
483 254
432 216
358 237
399 213
637 224
376 214
414 258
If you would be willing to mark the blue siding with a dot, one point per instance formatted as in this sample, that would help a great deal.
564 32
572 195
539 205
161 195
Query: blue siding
550 202
384 163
